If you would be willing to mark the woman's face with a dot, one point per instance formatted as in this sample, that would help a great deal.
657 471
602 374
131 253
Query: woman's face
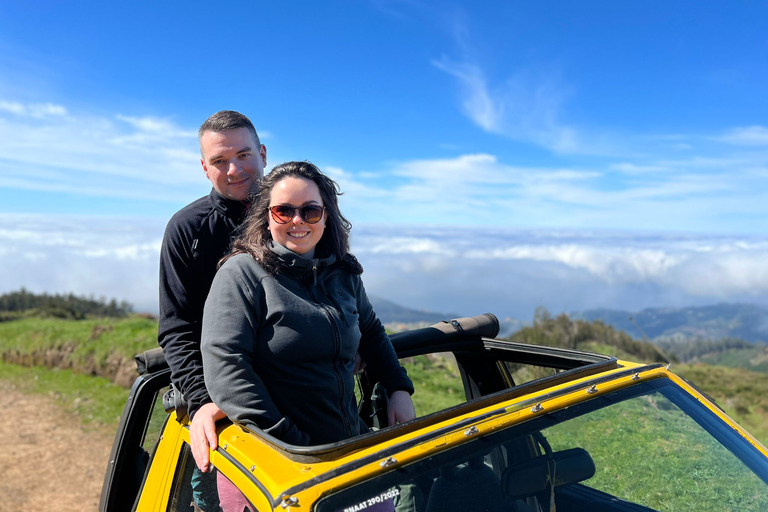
297 235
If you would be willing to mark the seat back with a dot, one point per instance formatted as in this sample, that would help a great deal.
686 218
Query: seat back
471 487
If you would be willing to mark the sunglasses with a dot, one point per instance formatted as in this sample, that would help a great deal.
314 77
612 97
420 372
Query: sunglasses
284 213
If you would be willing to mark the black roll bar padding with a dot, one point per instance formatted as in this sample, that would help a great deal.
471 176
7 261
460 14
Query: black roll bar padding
485 325
150 361
458 329
480 326
153 361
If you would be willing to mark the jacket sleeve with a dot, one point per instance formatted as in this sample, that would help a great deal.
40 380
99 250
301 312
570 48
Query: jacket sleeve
376 348
230 326
181 308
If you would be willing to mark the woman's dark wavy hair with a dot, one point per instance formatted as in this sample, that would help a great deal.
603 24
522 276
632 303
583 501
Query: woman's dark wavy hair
255 237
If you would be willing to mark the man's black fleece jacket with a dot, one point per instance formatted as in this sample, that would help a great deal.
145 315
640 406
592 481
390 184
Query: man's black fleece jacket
196 238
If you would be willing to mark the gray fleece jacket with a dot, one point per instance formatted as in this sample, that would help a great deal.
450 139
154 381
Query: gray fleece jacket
279 350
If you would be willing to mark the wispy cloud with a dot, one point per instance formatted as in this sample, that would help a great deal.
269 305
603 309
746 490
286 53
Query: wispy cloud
154 159
747 136
120 156
631 168
36 110
700 194
526 106
157 126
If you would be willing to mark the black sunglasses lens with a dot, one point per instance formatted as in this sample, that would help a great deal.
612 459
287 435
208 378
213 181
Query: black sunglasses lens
312 213
282 213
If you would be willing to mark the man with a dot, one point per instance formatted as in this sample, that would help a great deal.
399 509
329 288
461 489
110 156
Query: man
195 239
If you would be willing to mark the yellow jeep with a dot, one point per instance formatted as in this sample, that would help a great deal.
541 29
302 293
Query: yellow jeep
539 429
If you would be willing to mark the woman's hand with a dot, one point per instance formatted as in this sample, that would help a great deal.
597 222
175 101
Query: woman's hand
400 408
202 434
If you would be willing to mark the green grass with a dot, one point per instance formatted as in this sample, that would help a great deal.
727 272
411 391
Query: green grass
742 394
96 347
647 451
754 359
437 381
602 348
739 387
97 402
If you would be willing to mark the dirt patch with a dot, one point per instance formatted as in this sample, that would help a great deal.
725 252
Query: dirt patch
48 460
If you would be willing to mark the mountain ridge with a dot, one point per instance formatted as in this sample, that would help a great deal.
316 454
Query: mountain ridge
746 321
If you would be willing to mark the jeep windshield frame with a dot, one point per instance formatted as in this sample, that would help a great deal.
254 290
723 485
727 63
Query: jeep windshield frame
496 450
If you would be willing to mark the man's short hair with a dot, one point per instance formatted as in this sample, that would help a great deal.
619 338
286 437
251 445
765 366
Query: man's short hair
227 120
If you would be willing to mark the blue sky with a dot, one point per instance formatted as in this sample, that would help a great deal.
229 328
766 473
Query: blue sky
598 153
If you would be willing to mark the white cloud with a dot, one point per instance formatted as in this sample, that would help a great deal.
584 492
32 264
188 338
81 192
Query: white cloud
511 272
103 257
154 125
747 136
35 110
631 168
613 265
454 270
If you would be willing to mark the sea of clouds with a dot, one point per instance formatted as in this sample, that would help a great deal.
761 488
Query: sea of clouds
457 271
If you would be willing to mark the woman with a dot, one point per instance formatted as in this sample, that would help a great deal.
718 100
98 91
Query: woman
287 313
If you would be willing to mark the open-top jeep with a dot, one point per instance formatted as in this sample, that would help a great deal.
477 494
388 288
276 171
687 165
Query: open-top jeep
538 429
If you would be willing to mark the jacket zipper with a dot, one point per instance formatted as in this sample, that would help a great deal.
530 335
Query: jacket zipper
337 352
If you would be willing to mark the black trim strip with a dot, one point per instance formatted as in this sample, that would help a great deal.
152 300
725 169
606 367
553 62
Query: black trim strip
553 357
351 466
246 472
396 448
325 452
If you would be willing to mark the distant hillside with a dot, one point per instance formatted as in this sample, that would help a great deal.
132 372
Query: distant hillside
23 303
754 359
390 313
743 321
592 336
399 317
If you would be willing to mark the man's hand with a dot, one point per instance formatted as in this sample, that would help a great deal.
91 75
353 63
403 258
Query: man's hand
202 434
359 364
400 408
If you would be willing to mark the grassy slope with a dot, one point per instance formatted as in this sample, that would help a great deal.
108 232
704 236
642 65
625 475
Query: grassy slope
95 338
437 381
753 359
76 362
741 393
646 451
92 347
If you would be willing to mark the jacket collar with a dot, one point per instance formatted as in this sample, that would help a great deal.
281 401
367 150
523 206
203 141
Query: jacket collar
294 261
235 210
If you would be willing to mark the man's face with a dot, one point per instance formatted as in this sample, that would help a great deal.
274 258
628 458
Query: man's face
233 161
